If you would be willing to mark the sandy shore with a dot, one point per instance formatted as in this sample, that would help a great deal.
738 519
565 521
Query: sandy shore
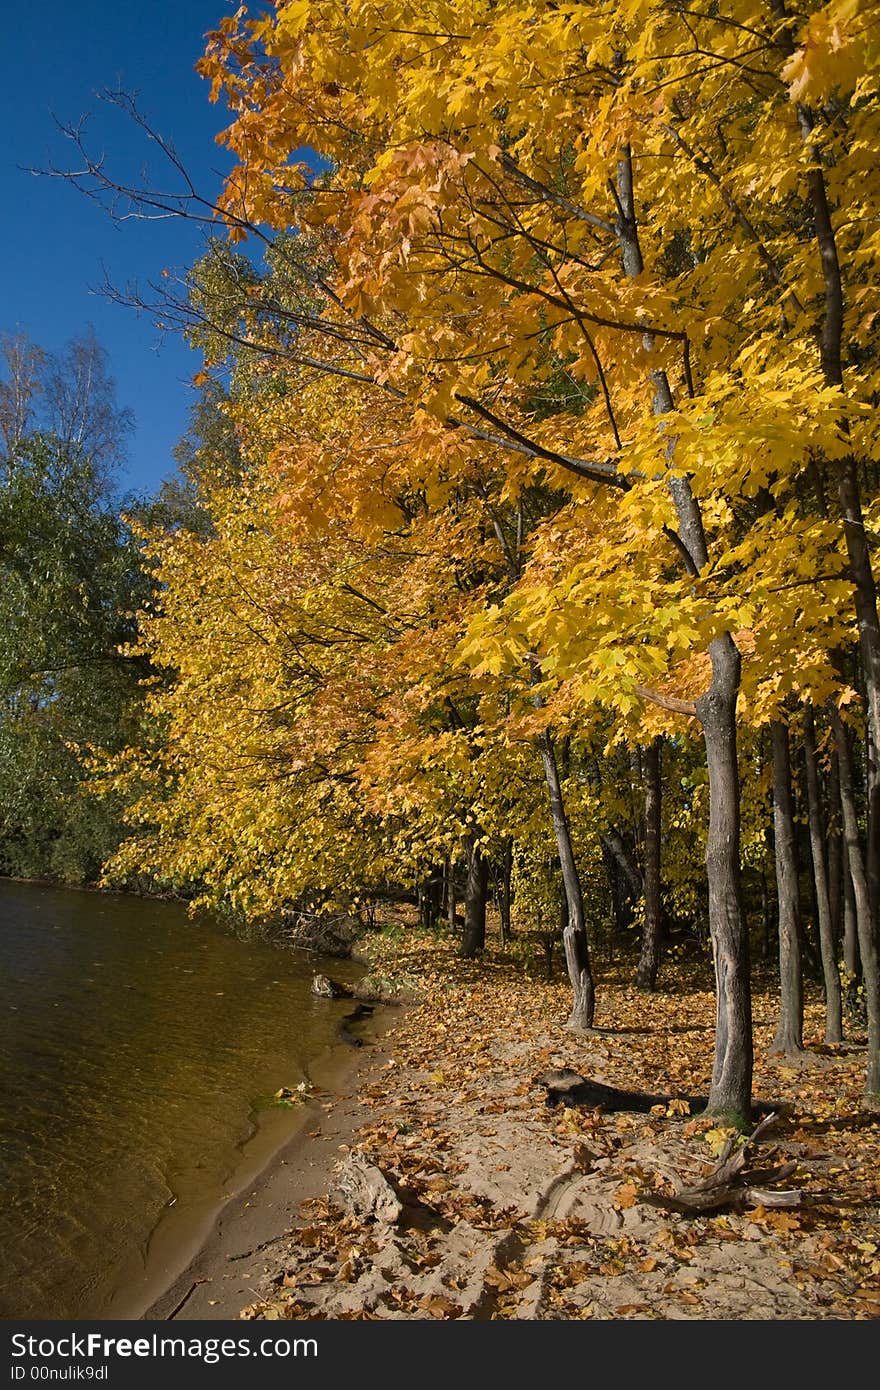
495 1205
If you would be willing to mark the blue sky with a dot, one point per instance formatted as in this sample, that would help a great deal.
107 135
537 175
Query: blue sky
54 243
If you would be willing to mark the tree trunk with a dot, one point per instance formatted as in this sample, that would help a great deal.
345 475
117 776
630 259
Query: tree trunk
851 963
450 894
848 491
865 876
624 878
834 840
649 958
766 928
625 862
731 1089
830 972
505 893
574 937
431 899
476 892
864 918
869 650
789 1031
620 904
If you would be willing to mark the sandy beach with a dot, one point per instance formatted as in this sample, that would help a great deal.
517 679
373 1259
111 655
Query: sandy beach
493 1204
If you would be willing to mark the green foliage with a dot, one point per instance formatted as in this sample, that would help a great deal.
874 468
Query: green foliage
71 579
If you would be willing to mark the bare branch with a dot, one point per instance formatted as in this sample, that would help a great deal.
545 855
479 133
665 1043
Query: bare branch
669 702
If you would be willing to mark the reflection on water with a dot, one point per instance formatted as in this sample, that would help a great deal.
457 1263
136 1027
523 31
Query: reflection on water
134 1044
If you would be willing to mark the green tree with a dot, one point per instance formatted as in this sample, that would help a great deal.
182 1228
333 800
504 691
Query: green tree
71 578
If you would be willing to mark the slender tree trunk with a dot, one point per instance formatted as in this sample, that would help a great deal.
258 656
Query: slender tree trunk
731 1089
649 958
624 860
809 937
766 929
504 896
450 895
851 963
869 649
865 595
433 896
619 900
830 972
476 892
624 879
864 919
849 496
574 937
789 1031
834 840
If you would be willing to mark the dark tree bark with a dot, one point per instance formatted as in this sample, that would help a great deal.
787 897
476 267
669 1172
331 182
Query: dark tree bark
621 913
865 926
625 861
789 1030
830 972
834 840
766 925
504 896
851 963
865 597
476 892
649 957
848 490
574 936
624 876
430 899
450 894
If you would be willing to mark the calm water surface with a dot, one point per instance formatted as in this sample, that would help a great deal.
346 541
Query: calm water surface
137 1050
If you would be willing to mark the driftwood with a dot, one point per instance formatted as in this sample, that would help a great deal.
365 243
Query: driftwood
732 1182
366 1192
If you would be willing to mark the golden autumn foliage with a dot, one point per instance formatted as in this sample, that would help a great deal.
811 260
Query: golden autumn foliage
455 204
557 391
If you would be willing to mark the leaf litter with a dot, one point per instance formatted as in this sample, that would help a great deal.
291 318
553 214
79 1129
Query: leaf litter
510 1209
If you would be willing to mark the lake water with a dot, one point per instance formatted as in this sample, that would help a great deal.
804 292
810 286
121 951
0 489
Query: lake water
138 1053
